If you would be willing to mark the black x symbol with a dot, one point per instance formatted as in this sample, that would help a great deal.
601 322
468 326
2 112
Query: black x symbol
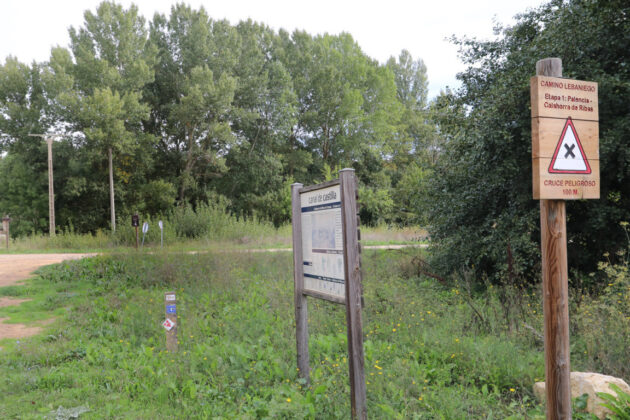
569 150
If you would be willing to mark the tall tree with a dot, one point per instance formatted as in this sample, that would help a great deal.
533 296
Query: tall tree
263 115
192 95
483 213
113 62
346 101
23 110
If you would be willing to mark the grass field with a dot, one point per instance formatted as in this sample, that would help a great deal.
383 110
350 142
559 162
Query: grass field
237 346
427 354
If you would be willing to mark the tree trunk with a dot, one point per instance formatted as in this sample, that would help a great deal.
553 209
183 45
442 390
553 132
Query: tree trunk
189 163
111 190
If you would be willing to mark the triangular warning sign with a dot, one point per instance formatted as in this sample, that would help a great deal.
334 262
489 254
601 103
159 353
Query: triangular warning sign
569 157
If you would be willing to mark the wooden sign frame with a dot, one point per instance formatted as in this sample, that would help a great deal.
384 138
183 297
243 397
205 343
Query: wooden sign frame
565 138
352 282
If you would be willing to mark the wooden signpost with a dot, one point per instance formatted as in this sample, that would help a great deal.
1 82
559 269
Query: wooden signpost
565 162
327 265
5 227
135 222
565 138
170 323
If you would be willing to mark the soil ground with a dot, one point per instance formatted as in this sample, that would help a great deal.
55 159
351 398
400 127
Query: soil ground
13 270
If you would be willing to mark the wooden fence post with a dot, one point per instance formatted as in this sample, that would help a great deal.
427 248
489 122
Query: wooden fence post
301 313
555 278
353 294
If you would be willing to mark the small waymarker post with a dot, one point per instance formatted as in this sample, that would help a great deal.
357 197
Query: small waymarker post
161 225
135 222
327 265
170 323
145 229
5 227
565 162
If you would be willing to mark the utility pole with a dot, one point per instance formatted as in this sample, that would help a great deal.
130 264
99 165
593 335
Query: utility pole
111 190
51 190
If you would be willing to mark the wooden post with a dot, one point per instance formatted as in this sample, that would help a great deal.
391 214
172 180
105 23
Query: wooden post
301 317
51 189
353 294
111 189
170 307
5 226
553 245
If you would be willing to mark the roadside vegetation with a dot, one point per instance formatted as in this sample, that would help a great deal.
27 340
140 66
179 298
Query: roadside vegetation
208 124
185 229
433 349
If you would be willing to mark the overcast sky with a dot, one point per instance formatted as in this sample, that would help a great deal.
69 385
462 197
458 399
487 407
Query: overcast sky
29 28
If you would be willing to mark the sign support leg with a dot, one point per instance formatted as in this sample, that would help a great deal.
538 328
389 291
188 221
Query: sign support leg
352 257
553 244
301 313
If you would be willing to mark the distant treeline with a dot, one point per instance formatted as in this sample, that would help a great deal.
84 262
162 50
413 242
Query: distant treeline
196 110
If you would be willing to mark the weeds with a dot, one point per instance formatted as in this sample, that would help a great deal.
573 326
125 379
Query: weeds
236 355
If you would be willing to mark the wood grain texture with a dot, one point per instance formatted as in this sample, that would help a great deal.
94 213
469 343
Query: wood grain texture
319 186
549 67
546 91
301 312
555 291
324 296
553 101
352 261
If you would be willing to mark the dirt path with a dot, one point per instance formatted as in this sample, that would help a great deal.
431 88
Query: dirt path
13 270
17 267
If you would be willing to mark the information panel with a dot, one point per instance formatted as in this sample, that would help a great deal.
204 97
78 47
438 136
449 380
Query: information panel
565 138
322 241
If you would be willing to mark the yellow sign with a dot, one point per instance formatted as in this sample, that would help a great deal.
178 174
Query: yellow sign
565 138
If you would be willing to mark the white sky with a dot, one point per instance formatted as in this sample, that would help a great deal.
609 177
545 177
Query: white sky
29 28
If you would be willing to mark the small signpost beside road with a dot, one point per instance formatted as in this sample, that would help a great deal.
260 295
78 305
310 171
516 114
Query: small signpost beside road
170 323
135 222
327 265
565 162
145 229
161 225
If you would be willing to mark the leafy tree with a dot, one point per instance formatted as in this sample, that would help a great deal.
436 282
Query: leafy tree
23 110
347 102
483 215
192 95
263 115
202 110
412 91
112 63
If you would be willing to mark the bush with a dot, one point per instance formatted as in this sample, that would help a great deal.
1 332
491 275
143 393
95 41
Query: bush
602 323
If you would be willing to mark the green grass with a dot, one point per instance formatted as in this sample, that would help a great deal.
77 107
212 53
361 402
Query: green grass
236 234
236 354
